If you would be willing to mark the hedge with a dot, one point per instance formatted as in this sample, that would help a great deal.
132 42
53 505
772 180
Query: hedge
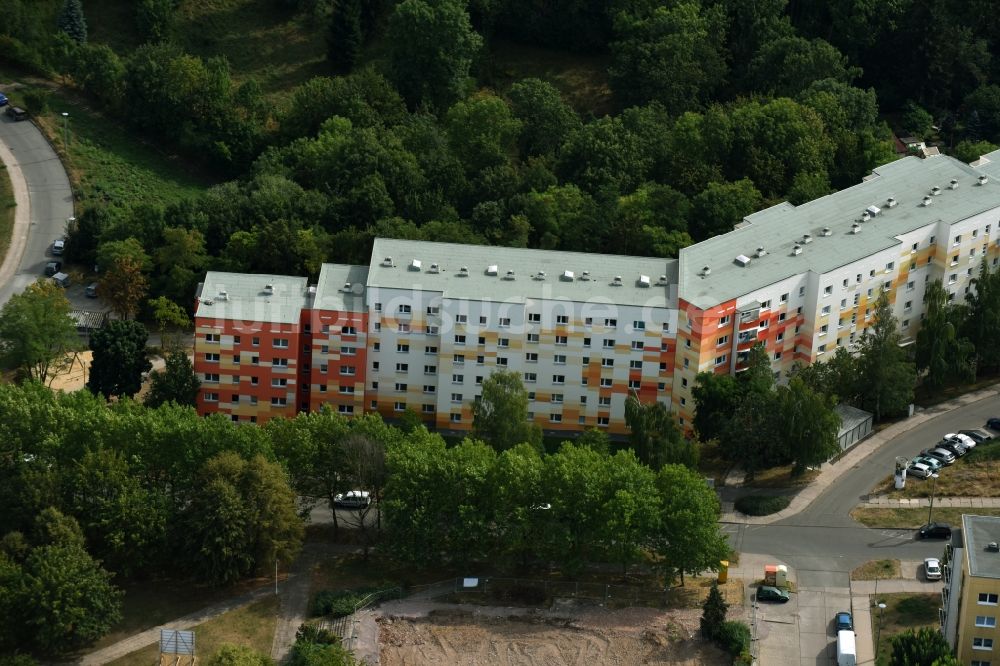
762 505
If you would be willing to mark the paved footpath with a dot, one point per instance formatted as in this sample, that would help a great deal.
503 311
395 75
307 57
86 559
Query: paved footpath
883 502
294 601
830 472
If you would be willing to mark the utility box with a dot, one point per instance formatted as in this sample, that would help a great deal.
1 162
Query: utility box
770 574
723 571
781 576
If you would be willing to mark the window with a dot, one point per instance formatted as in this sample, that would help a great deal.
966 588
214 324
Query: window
719 360
457 379
378 307
802 291
607 362
482 340
562 319
461 319
555 418
826 310
588 321
666 327
827 290
978 662
822 349
430 349
608 343
886 286
781 316
402 367
255 342
433 310
986 621
399 406
766 305
376 346
480 360
559 359
723 340
952 278
459 359
404 309
211 397
402 348
602 421
430 369
429 388
635 365
557 398
280 343
777 356
427 409
455 418
212 358
459 339
479 380
889 266
604 401
871 273
482 320
400 387
784 298
638 345
533 337
279 362
504 321
279 402
958 240
724 320
534 317
278 382
982 643
780 336
954 260
530 377
843 304
561 340
348 351
501 361
456 397
558 379
212 337
605 382
531 357
348 330
347 390
823 329
403 327
914 247
639 325
987 599
611 323
345 409
236 359
503 343
432 330
634 383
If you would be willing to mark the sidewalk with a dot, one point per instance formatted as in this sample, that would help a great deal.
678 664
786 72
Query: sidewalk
881 501
830 472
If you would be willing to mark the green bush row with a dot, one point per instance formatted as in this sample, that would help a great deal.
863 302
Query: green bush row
338 603
762 505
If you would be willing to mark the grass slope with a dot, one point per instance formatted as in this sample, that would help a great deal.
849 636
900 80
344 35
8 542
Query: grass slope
903 611
7 208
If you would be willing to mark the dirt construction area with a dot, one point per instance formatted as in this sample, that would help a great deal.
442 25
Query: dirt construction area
581 637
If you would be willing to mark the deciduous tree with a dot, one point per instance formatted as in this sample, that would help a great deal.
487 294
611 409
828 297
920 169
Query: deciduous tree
916 647
36 331
120 358
177 382
687 537
808 423
500 416
887 377
940 351
123 285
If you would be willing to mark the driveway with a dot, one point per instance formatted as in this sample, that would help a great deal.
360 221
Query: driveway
801 632
43 181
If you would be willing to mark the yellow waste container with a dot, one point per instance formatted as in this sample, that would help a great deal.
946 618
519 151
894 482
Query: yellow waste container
723 571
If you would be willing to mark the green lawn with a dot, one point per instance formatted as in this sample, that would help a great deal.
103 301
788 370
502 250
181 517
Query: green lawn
913 518
7 208
902 611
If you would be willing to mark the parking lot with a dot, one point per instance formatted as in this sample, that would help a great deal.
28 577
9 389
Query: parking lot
801 632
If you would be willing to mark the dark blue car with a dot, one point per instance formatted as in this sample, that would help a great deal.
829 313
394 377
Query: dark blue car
3 99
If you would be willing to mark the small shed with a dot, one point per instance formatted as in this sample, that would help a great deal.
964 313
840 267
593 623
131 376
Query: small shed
855 425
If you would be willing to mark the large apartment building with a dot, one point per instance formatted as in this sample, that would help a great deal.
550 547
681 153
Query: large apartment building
425 323
971 595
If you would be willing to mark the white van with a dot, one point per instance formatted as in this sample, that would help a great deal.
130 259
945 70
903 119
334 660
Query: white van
847 653
353 499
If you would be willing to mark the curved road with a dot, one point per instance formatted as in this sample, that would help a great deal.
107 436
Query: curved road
823 543
44 201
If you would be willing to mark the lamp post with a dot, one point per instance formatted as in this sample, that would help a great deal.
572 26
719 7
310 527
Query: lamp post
65 115
878 634
930 511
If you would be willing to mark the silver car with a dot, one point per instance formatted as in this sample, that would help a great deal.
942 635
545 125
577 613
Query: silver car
932 568
919 470
964 440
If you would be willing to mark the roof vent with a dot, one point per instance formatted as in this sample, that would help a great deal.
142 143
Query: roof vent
983 180
865 216
540 275
567 276
269 289
643 280
207 301
807 238
347 286
743 260
797 249
662 281
935 190
434 268
617 281
223 296
891 202
993 547
873 210
706 271
928 201
585 275
761 251
855 228
509 275
387 262
492 269
463 271
954 184
311 289
826 231
415 264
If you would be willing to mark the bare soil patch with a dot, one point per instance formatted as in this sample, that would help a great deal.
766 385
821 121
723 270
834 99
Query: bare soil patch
586 637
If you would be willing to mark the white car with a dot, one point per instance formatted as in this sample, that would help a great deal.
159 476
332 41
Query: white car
932 568
919 470
58 246
964 440
353 499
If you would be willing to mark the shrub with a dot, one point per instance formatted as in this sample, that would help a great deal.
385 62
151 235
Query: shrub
339 603
762 505
733 637
37 100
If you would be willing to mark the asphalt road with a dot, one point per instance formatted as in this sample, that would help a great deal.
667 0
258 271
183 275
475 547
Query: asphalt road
50 197
823 543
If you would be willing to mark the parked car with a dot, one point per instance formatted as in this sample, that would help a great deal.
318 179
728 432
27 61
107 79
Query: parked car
944 455
933 463
3 99
935 531
52 268
769 593
932 568
977 434
353 499
993 423
17 113
58 245
91 290
953 445
919 470
62 279
844 621
966 441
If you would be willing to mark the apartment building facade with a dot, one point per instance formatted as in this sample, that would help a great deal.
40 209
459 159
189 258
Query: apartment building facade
424 324
970 599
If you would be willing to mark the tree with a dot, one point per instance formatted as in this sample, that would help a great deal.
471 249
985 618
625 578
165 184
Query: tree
123 286
787 66
36 331
119 358
916 120
72 21
344 36
155 19
500 416
970 151
655 437
482 131
519 501
177 382
180 261
917 648
365 466
716 397
238 655
808 423
713 613
546 120
627 516
688 539
940 352
431 50
887 377
306 653
100 72
720 206
166 314
983 320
